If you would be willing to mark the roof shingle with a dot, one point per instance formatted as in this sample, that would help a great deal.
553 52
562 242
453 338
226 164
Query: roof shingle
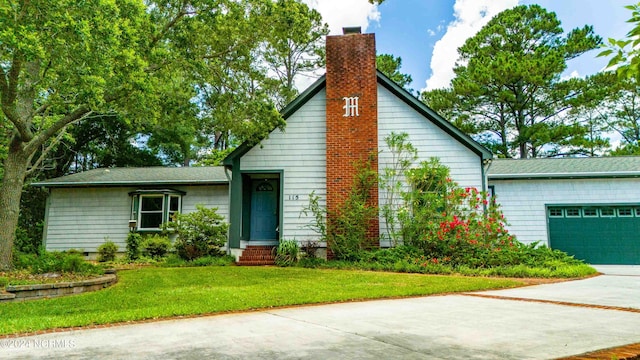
140 176
622 166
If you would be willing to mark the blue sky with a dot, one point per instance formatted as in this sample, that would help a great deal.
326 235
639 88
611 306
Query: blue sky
426 33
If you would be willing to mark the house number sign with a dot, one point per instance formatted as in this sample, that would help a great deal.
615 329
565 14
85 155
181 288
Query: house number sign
350 106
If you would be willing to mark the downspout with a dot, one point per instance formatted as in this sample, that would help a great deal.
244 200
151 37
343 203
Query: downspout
486 164
45 227
226 173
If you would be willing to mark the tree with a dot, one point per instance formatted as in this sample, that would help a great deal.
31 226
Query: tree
624 105
624 53
622 113
295 44
63 62
390 66
508 88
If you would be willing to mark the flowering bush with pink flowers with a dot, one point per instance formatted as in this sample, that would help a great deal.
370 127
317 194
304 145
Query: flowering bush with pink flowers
454 225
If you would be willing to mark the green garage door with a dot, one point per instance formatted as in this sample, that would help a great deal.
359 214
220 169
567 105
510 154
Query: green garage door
596 234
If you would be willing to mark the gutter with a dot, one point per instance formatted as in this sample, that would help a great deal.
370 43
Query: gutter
566 175
226 173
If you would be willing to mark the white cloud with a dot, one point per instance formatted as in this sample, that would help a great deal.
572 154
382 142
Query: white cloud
431 32
572 75
339 14
345 13
470 17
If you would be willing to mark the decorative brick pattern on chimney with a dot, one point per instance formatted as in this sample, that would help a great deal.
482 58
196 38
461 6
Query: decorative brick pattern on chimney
352 115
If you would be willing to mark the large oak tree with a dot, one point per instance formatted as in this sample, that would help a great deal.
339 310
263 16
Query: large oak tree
64 62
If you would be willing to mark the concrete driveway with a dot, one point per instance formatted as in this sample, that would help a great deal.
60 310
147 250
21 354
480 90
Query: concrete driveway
538 322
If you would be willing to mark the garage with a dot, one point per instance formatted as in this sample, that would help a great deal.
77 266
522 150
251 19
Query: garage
587 207
597 234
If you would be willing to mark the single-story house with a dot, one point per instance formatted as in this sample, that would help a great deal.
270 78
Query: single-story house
85 209
263 189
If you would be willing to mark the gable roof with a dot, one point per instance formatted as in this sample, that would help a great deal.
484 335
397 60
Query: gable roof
395 89
140 176
565 168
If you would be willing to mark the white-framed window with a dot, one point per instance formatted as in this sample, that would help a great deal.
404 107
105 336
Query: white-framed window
556 212
607 212
152 208
625 212
638 212
174 206
590 212
151 214
573 212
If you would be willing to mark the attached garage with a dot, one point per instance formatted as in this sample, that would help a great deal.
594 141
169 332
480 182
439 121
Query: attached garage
597 234
587 207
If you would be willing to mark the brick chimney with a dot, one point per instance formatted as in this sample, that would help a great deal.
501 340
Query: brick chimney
352 114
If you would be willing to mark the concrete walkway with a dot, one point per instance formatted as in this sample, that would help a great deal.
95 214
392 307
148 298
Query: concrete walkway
437 327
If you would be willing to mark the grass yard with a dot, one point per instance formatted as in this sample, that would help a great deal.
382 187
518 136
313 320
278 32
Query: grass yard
151 293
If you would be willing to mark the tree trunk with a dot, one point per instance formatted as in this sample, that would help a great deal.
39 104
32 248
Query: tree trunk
15 167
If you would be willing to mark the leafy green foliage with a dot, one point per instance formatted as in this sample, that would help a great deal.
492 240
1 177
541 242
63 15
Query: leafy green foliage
295 44
403 154
4 281
190 75
287 253
390 66
200 233
451 224
55 262
535 262
624 53
155 246
348 225
134 241
107 251
508 89
345 229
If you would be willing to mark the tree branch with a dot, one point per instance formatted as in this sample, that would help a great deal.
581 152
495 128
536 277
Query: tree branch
77 115
45 152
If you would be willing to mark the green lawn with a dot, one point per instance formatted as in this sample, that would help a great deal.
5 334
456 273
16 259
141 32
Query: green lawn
164 292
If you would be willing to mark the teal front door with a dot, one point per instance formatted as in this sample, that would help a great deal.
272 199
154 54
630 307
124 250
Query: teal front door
264 210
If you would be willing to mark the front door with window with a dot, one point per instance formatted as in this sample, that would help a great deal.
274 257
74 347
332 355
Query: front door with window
264 210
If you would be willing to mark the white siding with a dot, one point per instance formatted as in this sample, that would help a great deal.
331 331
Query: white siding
396 116
523 201
209 196
81 218
300 151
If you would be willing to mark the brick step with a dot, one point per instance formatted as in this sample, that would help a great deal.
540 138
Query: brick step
256 256
255 263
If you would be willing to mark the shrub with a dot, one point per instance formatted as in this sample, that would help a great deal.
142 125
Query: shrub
348 225
454 225
25 240
346 228
134 240
287 253
200 233
3 281
155 246
107 251
311 262
51 262
310 248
